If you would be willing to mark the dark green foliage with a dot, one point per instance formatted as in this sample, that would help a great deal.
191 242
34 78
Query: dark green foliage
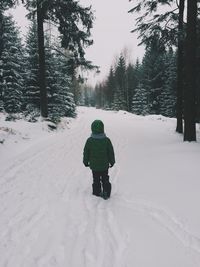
131 74
154 20
87 96
11 67
168 94
60 98
153 73
140 100
110 87
121 90
5 4
32 93
74 24
100 95
146 88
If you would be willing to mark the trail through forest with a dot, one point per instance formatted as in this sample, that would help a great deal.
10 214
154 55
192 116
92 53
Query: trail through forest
49 218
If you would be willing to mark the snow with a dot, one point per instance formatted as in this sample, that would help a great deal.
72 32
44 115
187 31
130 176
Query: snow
48 216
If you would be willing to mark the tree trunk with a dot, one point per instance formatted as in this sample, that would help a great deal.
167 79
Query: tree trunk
180 63
42 68
1 32
1 50
190 86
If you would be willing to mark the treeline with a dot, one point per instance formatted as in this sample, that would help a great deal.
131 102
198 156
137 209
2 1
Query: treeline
167 80
39 76
143 88
176 24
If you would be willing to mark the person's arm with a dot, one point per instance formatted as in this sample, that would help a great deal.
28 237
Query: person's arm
86 154
111 154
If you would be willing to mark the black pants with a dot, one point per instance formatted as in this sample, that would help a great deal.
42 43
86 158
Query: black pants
101 183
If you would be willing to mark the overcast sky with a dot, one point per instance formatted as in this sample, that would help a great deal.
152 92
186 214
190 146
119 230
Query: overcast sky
111 33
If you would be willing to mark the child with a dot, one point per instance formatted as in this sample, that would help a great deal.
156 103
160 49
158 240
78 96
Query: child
99 156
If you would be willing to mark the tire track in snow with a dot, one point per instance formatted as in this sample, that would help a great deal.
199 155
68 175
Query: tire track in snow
106 245
120 242
169 222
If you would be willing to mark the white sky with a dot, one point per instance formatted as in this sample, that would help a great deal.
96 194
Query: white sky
111 33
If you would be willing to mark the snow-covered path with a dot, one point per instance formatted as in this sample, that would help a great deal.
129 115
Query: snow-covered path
48 216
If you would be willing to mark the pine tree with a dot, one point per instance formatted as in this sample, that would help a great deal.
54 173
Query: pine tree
74 24
131 83
154 18
100 95
121 90
4 5
32 93
110 86
11 67
58 82
168 94
169 25
140 101
60 97
152 74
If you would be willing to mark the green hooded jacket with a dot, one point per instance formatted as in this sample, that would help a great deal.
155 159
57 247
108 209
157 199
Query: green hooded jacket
98 151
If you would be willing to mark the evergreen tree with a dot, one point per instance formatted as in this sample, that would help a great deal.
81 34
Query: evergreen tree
76 84
74 24
121 90
11 67
60 97
140 101
58 82
156 19
152 74
4 5
32 93
168 94
131 84
100 95
169 26
110 86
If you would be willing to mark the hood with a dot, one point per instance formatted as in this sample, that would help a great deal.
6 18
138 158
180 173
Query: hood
97 127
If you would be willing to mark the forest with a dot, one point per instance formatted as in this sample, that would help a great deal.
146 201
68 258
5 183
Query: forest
41 77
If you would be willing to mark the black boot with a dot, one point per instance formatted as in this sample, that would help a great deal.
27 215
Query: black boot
96 189
106 190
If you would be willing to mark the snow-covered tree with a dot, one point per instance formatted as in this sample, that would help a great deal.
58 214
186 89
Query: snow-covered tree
152 74
11 67
110 86
60 97
140 101
32 93
73 22
131 84
120 94
168 94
